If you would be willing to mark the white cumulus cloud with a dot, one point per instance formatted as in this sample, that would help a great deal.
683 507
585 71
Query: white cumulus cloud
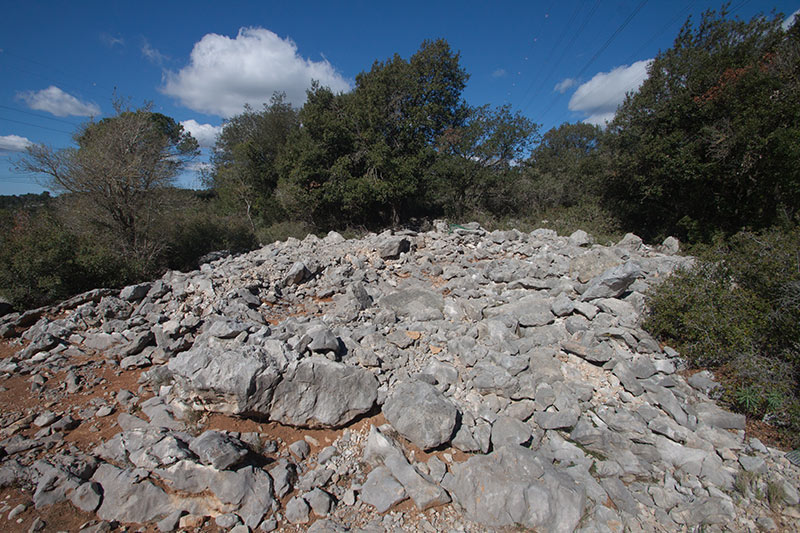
206 134
565 84
223 73
600 96
499 73
61 104
13 143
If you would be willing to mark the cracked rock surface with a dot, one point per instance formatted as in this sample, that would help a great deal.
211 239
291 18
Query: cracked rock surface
438 381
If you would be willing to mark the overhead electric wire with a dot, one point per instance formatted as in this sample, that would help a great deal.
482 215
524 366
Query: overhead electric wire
681 15
19 179
611 38
65 75
39 115
553 48
564 51
601 50
35 125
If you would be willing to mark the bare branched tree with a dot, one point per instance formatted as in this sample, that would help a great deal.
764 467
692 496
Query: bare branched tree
119 166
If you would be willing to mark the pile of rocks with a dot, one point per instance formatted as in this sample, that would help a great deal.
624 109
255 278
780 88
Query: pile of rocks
491 379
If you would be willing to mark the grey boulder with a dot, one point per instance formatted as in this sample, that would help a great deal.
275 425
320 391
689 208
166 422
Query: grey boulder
218 450
232 379
416 304
513 486
126 498
613 282
382 490
392 247
318 393
420 413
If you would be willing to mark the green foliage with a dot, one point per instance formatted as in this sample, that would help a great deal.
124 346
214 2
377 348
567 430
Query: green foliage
711 139
118 168
26 201
564 167
41 261
737 309
197 229
775 494
477 165
245 158
52 253
748 399
588 215
365 157
746 482
280 231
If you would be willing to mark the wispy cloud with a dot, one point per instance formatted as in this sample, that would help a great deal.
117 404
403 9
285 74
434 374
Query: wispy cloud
152 54
225 73
600 96
13 143
206 134
499 73
111 41
565 84
61 104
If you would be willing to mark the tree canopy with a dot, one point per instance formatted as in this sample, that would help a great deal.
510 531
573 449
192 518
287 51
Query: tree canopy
710 140
118 165
245 159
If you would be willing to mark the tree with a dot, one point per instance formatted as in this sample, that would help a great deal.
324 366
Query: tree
245 158
118 167
710 141
365 156
478 162
564 166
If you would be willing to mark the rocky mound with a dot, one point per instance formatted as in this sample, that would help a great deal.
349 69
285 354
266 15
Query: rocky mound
439 381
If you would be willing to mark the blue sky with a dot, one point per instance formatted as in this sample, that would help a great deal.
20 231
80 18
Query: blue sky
199 62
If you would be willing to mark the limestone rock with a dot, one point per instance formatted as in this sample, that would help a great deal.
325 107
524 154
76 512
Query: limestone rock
512 486
613 282
127 498
318 392
421 414
218 450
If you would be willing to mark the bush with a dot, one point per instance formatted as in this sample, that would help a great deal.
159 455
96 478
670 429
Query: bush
280 231
738 310
41 261
587 215
195 232
37 261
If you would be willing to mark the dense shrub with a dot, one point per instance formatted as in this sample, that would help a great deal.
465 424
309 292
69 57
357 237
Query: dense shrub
50 253
41 261
738 310
194 232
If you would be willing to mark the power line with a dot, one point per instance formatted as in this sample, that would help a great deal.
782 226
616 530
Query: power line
94 87
34 125
39 115
612 37
681 14
601 50
19 179
553 48
564 51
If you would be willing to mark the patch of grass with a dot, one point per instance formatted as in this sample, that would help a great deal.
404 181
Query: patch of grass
745 482
775 494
